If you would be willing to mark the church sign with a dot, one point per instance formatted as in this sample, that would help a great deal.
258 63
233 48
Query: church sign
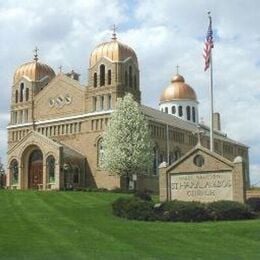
204 176
203 187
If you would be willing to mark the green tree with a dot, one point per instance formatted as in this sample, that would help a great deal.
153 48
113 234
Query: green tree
127 141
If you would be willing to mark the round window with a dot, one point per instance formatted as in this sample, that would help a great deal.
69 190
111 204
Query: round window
51 102
199 160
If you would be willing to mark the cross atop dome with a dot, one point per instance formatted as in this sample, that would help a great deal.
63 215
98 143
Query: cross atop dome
36 54
114 28
177 69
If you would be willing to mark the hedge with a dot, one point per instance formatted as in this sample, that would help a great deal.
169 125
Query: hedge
141 208
134 208
182 211
254 204
229 210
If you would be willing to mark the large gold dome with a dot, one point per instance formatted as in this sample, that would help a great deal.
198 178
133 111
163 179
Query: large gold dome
34 70
113 50
178 90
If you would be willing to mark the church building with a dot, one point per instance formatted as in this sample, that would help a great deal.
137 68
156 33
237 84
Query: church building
56 123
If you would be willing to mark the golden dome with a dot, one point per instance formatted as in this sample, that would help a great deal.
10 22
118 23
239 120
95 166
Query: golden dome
178 90
34 71
113 50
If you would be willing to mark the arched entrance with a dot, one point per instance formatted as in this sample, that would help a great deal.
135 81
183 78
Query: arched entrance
35 170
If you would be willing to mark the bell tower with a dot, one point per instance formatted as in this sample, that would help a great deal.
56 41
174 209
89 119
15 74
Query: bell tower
29 79
113 72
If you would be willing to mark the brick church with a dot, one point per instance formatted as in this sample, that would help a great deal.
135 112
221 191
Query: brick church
56 123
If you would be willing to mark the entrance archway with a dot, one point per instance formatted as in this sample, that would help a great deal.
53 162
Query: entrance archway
35 173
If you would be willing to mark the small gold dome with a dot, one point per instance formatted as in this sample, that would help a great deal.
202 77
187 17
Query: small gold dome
113 50
34 71
178 90
178 78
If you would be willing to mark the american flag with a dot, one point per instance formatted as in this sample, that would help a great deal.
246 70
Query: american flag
208 45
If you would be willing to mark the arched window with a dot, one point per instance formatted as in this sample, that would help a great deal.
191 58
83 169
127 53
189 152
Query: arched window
193 114
94 103
126 78
188 112
21 92
109 77
95 80
102 103
155 160
16 96
180 111
27 94
177 154
50 165
100 152
166 110
14 171
130 77
109 102
15 117
173 110
76 175
102 75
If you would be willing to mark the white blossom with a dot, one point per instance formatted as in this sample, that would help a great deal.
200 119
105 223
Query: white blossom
127 140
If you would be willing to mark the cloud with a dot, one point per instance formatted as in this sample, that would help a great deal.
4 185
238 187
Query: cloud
163 34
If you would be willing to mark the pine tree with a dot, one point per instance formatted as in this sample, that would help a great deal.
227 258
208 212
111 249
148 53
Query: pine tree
127 141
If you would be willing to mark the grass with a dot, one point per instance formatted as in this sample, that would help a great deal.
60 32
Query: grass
80 225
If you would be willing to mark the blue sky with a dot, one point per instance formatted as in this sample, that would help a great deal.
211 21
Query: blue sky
163 33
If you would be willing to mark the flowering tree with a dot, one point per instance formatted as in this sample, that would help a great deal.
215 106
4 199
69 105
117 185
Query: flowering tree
127 141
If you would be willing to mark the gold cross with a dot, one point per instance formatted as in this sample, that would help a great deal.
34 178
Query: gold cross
36 53
114 28
177 68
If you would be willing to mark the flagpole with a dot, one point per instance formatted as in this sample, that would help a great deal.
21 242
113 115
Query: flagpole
211 105
207 54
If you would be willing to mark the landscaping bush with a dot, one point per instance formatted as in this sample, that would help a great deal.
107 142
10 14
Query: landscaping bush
119 207
229 210
133 208
254 204
143 195
186 211
182 211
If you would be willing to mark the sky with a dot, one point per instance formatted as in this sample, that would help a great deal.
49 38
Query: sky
164 34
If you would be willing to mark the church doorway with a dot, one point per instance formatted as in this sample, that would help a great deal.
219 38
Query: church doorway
35 174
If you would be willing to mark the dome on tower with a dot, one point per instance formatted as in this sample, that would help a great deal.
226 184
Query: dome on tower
34 70
113 50
178 90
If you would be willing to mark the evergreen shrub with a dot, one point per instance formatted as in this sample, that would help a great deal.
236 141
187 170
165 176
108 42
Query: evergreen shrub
229 210
187 211
254 204
143 195
133 208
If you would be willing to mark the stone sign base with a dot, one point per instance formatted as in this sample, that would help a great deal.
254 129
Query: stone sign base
203 176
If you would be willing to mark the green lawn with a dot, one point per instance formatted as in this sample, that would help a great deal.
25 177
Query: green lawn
80 225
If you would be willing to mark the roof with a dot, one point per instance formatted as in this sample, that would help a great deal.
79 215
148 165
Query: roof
34 71
171 120
178 90
114 50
